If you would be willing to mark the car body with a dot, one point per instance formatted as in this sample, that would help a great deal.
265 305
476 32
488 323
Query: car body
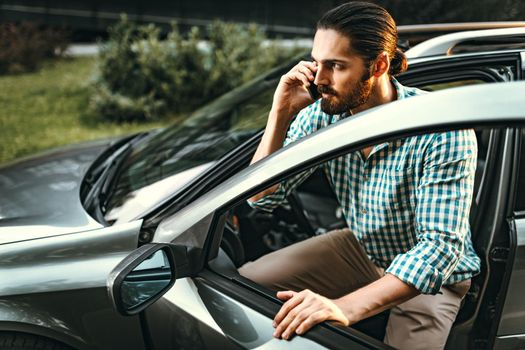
72 217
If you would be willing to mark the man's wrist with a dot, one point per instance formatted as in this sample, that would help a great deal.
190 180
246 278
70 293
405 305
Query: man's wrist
349 308
279 120
374 298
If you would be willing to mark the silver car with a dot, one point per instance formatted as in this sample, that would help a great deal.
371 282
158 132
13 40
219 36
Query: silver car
135 243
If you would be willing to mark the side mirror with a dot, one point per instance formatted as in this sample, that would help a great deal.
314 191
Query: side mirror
145 275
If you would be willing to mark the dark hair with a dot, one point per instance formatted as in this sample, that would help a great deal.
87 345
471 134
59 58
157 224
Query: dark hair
371 30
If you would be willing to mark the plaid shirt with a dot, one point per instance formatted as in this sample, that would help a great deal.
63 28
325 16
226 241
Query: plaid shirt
408 204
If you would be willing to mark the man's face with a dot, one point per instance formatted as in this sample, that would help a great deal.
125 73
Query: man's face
342 77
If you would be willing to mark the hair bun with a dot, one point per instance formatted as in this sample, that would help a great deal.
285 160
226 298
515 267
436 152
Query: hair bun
399 63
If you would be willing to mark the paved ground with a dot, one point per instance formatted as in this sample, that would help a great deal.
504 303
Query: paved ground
77 50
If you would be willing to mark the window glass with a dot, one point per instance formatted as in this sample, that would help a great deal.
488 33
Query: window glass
170 159
452 84
490 44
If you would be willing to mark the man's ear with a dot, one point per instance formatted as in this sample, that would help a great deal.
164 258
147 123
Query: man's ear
381 65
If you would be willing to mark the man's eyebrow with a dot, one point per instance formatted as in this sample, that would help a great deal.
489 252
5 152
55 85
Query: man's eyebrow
331 61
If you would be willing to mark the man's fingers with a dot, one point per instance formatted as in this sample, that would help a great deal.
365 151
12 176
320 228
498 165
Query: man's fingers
293 318
310 321
285 295
303 311
287 307
307 72
306 68
298 76
312 66
296 322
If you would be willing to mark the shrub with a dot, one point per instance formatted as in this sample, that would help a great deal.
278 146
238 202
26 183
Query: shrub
238 54
142 77
23 46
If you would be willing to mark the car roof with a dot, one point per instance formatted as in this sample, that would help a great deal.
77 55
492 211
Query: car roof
480 40
417 33
494 103
459 38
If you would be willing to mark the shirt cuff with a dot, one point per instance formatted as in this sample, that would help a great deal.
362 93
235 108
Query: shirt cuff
416 272
270 202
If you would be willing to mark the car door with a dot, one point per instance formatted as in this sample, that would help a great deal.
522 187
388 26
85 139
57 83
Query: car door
436 73
218 309
511 325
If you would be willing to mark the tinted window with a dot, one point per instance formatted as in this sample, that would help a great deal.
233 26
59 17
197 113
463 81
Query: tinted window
167 161
452 84
490 44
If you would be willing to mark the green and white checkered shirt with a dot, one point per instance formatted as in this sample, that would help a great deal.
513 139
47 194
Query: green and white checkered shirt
408 204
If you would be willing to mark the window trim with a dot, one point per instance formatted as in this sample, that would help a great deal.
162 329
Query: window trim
519 205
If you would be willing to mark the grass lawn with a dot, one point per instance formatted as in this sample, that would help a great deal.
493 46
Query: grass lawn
49 108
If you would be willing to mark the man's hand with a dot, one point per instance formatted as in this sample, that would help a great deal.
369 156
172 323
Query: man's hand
289 98
304 310
292 93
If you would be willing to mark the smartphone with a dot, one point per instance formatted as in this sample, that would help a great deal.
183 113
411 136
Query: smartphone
314 93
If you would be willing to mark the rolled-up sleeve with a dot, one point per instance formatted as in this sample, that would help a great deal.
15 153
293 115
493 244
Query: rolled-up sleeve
302 125
443 199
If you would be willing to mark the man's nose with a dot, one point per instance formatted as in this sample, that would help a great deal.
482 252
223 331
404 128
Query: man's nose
321 76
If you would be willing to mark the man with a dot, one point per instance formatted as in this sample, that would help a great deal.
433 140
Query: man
408 246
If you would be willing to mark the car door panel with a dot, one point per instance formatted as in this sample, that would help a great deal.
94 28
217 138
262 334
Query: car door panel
180 320
195 314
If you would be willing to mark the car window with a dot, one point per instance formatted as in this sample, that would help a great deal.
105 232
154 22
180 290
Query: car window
170 159
316 206
452 84
489 44
313 207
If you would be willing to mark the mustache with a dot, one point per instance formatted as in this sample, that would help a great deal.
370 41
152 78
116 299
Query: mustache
323 89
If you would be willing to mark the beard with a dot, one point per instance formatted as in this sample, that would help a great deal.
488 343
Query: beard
336 104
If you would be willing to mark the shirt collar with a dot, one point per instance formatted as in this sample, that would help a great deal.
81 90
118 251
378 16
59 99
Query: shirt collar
401 91
401 94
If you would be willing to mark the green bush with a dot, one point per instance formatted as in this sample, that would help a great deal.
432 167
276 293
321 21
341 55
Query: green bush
23 46
237 55
141 77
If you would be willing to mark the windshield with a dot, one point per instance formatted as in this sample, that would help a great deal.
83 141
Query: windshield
168 160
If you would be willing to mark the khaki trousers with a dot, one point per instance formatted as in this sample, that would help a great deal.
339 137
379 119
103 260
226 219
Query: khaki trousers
335 264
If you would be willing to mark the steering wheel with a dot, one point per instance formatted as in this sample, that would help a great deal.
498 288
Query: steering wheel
289 223
300 214
231 243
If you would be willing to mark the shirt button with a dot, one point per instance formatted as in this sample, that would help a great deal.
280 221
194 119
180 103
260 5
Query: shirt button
363 211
